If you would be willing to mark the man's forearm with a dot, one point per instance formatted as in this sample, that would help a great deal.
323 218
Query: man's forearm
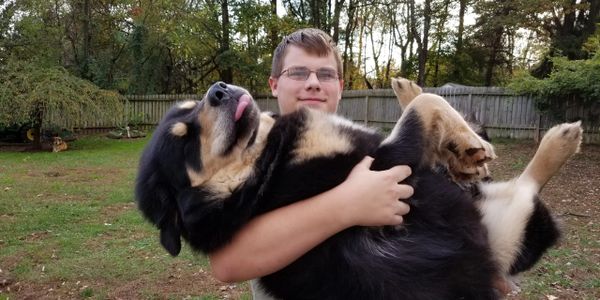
272 241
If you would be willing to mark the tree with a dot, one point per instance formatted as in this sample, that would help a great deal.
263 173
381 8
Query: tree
49 96
496 25
457 70
567 27
570 82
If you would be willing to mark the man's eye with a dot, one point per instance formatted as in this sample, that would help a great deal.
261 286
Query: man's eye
298 73
326 74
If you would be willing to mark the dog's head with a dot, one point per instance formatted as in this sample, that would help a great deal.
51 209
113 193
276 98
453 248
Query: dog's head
197 145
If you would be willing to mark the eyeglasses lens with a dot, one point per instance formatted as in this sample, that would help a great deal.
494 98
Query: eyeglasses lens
302 73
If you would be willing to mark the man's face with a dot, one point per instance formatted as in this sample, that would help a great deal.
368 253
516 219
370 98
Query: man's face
291 93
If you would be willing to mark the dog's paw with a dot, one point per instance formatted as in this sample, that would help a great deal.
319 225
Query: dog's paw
468 155
556 147
562 140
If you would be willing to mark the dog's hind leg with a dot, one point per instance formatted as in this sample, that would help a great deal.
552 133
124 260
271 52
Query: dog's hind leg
448 139
520 227
405 90
556 147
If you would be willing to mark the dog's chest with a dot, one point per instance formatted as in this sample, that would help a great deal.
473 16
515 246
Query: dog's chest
324 135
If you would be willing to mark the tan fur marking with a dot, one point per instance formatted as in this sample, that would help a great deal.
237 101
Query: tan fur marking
321 139
179 129
222 174
187 104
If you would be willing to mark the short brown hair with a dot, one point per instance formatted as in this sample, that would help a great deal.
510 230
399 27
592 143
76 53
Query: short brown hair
311 40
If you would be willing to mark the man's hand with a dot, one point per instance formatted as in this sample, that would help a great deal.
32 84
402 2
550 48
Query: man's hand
372 198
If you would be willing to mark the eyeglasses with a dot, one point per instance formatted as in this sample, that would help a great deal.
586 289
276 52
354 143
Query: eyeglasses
302 73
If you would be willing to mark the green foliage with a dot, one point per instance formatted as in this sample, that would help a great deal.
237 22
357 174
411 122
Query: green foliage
51 96
570 80
178 46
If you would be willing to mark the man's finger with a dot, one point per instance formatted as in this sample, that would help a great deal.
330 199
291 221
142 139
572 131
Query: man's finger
401 172
366 162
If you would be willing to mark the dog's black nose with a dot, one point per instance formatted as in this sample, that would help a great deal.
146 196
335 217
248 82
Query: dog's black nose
218 93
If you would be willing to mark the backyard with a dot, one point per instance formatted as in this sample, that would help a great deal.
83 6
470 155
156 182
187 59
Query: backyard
70 229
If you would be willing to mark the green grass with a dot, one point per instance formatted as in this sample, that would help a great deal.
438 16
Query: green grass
68 222
70 217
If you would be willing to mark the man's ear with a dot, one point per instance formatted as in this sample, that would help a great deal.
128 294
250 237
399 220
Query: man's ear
273 85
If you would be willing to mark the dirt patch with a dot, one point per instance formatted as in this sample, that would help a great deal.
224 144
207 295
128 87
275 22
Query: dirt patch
36 236
573 197
114 210
179 284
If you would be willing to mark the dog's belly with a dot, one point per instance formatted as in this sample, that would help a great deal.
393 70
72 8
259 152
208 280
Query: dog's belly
440 253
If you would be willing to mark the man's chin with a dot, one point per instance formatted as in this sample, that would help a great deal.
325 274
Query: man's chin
318 105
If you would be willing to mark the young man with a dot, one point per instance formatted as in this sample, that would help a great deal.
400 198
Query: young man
307 71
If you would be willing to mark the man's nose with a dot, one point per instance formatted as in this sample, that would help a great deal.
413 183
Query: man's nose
218 94
312 82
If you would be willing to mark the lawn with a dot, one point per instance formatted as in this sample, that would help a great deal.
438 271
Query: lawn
70 229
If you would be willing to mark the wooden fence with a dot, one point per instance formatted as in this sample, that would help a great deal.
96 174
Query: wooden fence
503 113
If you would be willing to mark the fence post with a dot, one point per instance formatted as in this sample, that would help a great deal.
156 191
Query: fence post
537 133
367 110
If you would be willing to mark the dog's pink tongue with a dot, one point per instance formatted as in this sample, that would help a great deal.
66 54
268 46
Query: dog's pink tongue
242 104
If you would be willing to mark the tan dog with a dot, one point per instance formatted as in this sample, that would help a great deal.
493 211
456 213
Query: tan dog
58 144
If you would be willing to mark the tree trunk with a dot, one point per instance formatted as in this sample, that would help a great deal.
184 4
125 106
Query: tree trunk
315 13
423 51
227 72
456 69
348 41
443 20
336 20
87 37
38 117
273 32
493 59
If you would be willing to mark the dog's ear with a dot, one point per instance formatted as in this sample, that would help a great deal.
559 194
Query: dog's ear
170 236
157 202
477 126
161 173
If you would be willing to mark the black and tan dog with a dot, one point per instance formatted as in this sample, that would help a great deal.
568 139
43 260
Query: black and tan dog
213 165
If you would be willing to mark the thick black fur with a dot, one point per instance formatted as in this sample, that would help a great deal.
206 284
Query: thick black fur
541 233
441 252
162 177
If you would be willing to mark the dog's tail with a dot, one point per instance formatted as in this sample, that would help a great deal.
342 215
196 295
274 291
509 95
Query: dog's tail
405 90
